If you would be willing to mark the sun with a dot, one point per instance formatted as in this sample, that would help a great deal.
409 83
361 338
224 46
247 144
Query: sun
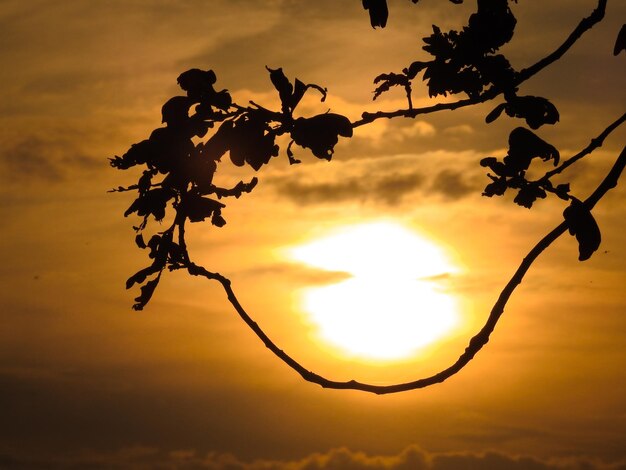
392 305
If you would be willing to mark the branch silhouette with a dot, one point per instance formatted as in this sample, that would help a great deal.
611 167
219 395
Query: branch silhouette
585 25
475 344
464 62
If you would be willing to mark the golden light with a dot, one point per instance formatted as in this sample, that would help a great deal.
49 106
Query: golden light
393 303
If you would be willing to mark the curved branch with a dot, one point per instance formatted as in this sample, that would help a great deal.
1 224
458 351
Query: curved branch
475 344
594 144
585 24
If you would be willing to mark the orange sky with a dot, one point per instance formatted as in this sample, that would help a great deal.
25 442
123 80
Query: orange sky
84 380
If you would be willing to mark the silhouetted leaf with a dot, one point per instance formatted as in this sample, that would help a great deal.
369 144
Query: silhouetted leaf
151 203
165 148
528 194
200 169
388 80
298 92
284 87
496 70
524 145
290 95
495 113
198 208
497 167
491 26
176 254
536 110
416 67
146 293
140 276
252 142
378 12
321 133
584 227
292 159
175 111
219 143
140 242
197 83
495 188
562 191
222 100
217 219
138 154
620 42
440 45
145 181
154 243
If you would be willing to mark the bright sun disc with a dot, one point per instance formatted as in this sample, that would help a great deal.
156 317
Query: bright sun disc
391 305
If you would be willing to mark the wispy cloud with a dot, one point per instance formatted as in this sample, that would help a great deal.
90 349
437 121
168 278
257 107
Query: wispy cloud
41 159
365 181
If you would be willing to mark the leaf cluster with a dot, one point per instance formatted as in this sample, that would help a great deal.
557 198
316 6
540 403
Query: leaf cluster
186 170
510 173
463 61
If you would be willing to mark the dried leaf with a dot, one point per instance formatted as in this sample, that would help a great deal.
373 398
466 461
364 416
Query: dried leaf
620 42
378 12
321 133
584 227
146 293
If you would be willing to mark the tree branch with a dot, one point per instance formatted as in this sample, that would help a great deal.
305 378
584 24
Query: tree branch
594 144
475 344
585 24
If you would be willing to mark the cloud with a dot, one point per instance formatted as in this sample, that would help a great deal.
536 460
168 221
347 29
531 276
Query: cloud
451 184
411 458
297 273
390 189
43 159
384 185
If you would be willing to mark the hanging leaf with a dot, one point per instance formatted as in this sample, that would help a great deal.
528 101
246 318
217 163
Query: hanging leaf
140 276
524 145
378 12
495 114
251 142
197 83
217 219
528 194
620 42
416 67
151 203
321 133
536 110
175 111
491 26
388 80
146 293
284 87
562 191
584 227
496 188
198 208
140 242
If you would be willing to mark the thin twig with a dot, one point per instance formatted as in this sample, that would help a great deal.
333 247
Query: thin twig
585 25
594 144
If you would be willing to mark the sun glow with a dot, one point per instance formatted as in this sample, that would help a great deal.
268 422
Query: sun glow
393 303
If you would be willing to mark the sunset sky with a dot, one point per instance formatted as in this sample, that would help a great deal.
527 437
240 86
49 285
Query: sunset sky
86 382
